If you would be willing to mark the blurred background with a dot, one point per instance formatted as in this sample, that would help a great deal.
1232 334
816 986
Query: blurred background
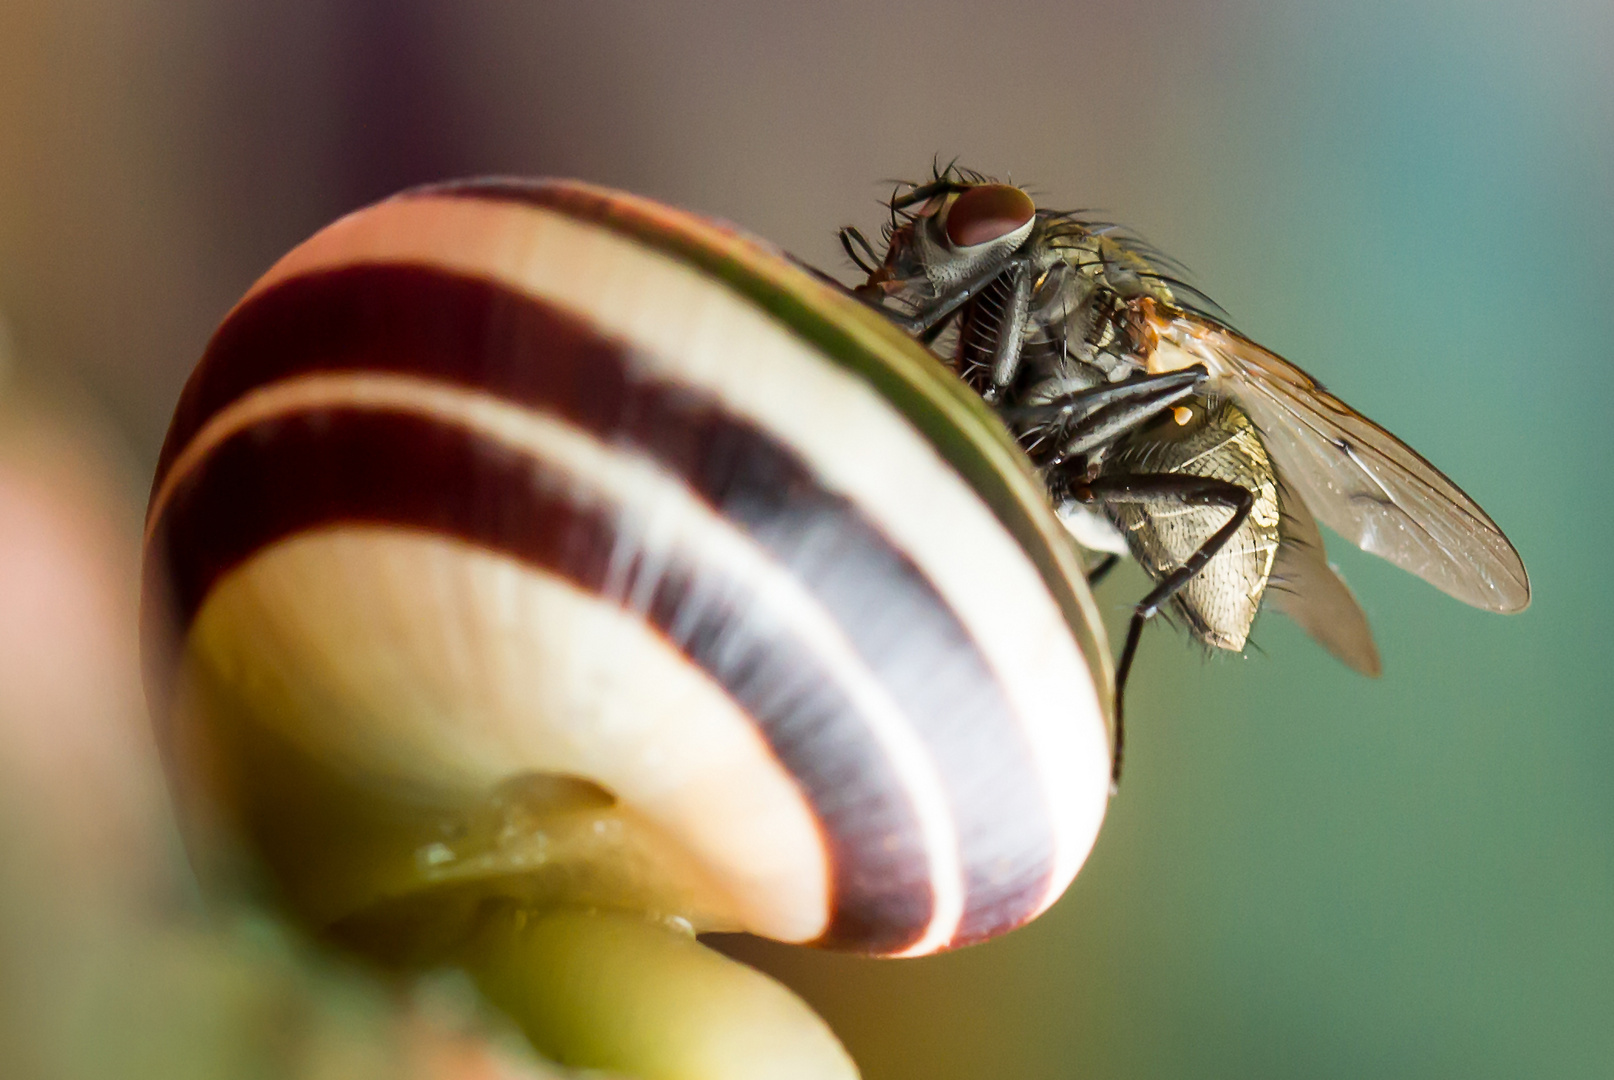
1305 873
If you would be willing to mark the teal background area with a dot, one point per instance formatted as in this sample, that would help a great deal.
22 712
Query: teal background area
1306 873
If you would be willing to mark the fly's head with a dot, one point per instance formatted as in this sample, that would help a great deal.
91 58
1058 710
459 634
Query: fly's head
1035 292
944 235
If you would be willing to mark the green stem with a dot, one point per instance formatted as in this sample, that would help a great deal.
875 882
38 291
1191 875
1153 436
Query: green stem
615 991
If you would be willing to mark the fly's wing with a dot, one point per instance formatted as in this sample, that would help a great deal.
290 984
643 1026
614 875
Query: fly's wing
1307 589
1360 480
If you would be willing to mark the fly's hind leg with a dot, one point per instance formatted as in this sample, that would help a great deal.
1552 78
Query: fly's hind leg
1186 491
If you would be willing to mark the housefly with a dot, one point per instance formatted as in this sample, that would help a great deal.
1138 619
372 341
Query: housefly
1163 433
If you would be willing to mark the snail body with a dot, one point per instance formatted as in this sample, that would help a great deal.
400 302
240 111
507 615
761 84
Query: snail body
535 544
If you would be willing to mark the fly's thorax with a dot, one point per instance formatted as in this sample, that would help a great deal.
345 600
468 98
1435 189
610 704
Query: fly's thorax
1208 437
1115 290
1106 260
1098 328
1127 271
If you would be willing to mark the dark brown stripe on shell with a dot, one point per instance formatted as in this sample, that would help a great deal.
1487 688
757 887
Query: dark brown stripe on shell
471 332
334 467
951 416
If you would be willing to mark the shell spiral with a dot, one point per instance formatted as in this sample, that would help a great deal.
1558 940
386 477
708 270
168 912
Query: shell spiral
500 489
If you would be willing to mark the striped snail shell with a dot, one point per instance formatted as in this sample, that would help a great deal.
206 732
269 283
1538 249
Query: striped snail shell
534 541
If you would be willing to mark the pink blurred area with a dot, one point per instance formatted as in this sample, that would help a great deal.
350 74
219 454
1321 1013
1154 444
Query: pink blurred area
71 716
108 969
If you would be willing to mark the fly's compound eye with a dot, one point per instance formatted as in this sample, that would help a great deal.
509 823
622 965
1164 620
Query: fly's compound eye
986 213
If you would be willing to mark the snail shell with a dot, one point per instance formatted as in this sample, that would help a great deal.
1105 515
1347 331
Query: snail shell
540 540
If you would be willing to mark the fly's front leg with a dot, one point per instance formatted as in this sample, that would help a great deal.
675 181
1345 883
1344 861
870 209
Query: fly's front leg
870 293
1187 491
826 278
926 323
929 318
859 250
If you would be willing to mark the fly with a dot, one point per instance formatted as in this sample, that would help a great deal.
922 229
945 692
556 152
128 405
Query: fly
1163 433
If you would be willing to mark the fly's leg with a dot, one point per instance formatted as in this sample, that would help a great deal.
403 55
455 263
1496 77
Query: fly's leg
858 248
1102 570
1188 491
928 321
1088 420
1011 333
867 295
932 315
824 277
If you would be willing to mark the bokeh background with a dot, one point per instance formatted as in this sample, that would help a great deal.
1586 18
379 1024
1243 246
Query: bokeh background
1305 873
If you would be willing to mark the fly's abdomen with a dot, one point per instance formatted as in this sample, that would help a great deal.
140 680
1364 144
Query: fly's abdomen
1213 439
